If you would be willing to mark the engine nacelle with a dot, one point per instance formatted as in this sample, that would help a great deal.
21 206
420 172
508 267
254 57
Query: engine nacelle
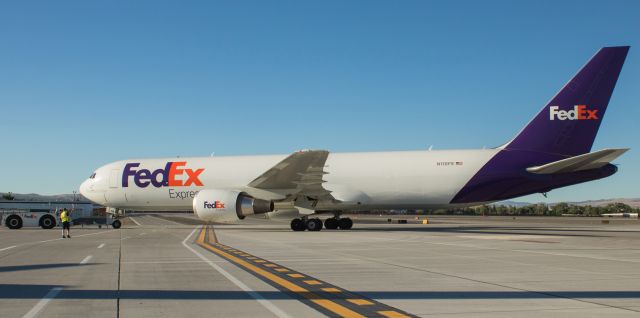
227 206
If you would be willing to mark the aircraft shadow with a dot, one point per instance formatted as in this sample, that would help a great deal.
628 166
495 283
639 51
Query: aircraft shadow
484 230
17 291
31 267
459 230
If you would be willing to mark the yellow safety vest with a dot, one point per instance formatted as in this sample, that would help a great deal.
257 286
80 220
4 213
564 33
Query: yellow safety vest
64 216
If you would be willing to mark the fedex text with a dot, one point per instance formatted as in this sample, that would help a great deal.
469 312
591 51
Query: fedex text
579 112
174 174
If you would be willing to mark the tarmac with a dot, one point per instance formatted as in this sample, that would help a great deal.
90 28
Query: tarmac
170 265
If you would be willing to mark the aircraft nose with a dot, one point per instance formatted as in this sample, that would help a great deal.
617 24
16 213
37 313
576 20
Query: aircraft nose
87 190
84 188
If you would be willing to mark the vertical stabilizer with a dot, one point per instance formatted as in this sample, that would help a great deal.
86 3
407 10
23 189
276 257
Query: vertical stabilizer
568 124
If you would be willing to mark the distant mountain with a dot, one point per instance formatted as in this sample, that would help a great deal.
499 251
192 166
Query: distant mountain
632 202
517 204
38 197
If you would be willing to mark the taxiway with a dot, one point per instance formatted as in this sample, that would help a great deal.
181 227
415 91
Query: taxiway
171 265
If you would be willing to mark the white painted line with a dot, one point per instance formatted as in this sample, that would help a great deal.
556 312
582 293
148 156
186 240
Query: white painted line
135 221
142 234
58 239
86 259
43 302
7 248
124 238
267 304
101 245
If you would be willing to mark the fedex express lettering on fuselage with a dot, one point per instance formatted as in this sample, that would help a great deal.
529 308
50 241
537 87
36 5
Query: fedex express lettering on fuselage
173 175
579 112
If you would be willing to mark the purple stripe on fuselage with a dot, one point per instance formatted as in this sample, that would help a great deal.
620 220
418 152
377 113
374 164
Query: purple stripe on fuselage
505 176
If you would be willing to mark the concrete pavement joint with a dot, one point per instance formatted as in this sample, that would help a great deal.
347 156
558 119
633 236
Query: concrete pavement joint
119 276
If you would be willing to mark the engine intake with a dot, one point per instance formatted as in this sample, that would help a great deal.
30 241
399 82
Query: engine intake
228 206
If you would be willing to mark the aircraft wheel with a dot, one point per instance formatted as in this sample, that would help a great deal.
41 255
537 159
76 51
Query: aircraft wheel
331 223
116 224
13 222
345 223
314 225
297 225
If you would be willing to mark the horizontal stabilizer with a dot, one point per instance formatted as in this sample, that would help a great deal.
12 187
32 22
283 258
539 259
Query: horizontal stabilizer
592 160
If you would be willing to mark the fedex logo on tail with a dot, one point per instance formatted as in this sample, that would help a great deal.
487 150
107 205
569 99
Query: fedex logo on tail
579 112
173 175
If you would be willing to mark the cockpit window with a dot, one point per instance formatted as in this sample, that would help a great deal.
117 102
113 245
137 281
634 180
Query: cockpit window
92 176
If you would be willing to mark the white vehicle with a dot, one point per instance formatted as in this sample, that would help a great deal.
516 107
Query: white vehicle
45 214
552 151
18 218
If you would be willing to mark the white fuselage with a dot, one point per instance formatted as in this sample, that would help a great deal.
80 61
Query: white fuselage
368 180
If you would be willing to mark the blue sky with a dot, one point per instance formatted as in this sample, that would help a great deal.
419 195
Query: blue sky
83 83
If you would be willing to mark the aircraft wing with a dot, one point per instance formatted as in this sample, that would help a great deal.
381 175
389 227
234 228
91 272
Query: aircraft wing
586 161
298 174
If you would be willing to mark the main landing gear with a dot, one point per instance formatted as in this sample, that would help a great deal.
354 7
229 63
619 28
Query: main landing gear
315 224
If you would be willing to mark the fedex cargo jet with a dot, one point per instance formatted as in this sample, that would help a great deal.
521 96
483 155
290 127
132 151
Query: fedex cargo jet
552 151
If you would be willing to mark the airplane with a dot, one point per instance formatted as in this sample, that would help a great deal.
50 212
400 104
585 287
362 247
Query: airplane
552 151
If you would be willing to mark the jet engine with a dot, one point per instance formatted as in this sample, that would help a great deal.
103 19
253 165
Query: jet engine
227 206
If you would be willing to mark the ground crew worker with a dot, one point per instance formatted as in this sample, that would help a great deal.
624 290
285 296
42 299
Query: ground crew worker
65 217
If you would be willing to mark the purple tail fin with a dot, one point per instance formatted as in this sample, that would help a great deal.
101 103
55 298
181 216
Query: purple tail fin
568 124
